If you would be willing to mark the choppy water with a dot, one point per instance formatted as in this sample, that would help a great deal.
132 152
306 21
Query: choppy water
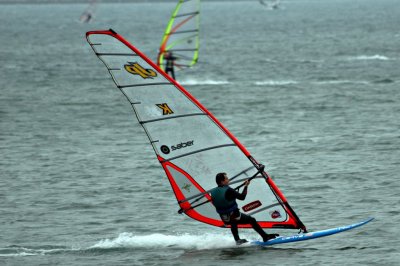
312 90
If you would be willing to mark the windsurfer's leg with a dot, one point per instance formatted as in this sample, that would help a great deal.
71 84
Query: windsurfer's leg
247 219
227 219
234 230
170 72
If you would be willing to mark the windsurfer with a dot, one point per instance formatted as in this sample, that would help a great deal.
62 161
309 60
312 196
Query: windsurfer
169 66
224 199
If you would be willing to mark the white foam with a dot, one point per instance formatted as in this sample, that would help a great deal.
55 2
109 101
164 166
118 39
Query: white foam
342 82
203 82
185 241
23 252
369 57
275 82
20 254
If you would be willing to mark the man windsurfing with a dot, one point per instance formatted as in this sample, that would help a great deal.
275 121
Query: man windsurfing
224 199
169 65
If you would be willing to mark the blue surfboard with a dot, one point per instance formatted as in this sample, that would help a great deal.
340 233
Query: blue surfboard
310 235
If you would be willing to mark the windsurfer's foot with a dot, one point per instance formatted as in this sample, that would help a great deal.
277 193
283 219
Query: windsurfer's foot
241 241
269 237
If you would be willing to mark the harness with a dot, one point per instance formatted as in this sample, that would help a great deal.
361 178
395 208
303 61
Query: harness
222 205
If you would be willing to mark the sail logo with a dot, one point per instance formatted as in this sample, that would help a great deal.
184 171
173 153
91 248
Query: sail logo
275 214
165 108
166 150
136 69
186 187
182 145
251 206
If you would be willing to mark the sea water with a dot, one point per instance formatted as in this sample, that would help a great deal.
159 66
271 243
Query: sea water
311 89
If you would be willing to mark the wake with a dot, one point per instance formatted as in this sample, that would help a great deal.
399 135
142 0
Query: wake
131 241
203 82
184 241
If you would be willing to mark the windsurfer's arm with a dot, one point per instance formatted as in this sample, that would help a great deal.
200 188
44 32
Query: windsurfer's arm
233 194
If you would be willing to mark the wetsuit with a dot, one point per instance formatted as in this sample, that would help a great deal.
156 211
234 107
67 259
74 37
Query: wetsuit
169 67
224 199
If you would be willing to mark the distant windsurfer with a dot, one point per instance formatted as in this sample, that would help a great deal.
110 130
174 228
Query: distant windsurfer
224 199
169 66
88 17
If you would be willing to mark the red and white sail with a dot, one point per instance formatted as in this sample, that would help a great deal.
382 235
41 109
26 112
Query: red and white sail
190 143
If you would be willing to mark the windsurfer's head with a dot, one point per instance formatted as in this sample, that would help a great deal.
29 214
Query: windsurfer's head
221 179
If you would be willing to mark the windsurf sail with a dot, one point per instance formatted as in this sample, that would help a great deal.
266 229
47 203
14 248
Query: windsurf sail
88 14
191 145
181 36
270 4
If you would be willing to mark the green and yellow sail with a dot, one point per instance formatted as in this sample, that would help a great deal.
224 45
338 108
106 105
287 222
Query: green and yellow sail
181 36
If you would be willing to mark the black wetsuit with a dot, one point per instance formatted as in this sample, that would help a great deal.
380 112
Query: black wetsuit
235 217
169 66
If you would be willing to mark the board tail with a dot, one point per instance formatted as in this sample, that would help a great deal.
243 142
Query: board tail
311 235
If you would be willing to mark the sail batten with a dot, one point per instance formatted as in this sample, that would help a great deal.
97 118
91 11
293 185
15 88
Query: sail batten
186 14
202 150
184 50
196 146
201 195
177 116
141 85
182 31
115 54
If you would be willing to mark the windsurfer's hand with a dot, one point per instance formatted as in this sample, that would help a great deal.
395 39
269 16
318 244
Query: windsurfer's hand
246 183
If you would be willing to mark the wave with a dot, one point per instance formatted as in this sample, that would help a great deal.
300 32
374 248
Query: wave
185 241
384 81
210 241
129 241
344 81
203 82
17 251
320 82
275 82
369 57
